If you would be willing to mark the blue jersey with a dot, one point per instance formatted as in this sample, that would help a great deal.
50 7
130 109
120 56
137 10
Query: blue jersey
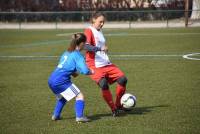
70 62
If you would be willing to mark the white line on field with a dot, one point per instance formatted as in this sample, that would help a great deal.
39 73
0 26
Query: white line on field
26 56
186 56
124 55
136 34
153 34
35 44
148 55
66 34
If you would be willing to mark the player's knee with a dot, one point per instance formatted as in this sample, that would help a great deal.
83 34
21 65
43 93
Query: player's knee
80 96
122 80
103 84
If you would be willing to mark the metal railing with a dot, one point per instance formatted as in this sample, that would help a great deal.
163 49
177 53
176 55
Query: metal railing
84 16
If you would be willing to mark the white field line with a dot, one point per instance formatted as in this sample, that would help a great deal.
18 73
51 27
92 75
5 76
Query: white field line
66 34
26 56
187 56
153 34
147 55
35 44
136 34
118 56
124 56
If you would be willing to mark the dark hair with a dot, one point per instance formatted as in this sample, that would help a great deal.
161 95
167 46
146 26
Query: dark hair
76 40
97 14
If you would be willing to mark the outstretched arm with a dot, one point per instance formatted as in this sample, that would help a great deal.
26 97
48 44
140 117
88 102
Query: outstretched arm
92 48
81 66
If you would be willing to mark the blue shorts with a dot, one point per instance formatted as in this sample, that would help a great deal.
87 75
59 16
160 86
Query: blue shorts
57 89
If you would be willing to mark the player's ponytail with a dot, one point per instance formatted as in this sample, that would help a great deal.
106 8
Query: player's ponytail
76 40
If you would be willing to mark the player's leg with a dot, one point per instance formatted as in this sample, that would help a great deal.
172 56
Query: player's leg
103 84
79 108
58 108
100 78
70 93
120 90
79 105
116 75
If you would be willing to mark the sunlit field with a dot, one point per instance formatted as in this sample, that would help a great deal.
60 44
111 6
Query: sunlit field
167 86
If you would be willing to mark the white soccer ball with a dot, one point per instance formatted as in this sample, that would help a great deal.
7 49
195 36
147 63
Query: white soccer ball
128 101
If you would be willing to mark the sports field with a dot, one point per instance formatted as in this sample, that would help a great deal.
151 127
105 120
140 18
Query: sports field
166 85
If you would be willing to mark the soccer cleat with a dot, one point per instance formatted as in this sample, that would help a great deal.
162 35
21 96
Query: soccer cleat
82 119
122 110
54 118
115 113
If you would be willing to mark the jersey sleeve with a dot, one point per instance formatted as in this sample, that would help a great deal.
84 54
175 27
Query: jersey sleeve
89 35
81 66
91 48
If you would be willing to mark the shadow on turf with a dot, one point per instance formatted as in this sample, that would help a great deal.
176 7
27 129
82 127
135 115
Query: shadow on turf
144 110
135 111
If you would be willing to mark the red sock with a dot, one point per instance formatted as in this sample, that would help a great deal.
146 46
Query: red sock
108 98
120 90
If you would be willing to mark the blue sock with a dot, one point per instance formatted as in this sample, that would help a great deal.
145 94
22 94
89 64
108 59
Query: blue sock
59 106
79 107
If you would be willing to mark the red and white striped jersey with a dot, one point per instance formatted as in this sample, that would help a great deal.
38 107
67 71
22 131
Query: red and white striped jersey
96 38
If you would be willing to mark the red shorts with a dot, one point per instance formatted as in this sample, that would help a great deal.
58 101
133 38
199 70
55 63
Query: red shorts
110 72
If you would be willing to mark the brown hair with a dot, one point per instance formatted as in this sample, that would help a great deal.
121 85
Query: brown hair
76 40
95 15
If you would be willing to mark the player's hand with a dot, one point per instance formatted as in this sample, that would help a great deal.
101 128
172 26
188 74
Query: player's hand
104 48
75 75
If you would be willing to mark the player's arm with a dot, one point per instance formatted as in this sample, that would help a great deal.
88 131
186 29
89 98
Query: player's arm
91 48
90 43
89 37
81 66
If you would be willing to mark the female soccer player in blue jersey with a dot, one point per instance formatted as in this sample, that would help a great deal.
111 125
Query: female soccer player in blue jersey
71 62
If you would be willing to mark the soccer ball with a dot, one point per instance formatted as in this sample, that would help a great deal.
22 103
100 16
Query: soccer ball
128 101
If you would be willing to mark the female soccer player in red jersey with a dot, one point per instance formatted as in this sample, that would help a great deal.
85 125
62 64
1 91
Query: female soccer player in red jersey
105 72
